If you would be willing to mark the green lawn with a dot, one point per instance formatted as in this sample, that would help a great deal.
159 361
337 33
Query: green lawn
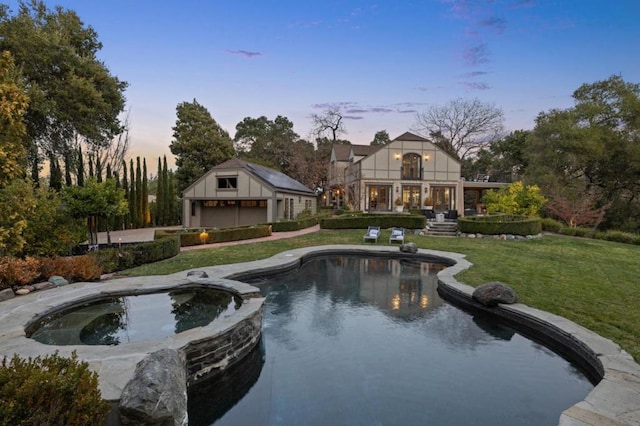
594 283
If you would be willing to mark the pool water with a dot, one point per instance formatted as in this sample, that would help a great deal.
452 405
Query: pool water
368 341
118 320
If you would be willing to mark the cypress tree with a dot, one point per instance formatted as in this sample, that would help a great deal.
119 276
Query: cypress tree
125 186
68 165
55 174
98 170
160 219
171 197
139 212
145 194
133 199
168 194
91 174
80 173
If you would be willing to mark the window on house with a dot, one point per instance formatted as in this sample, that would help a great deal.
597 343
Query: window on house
411 166
193 208
225 182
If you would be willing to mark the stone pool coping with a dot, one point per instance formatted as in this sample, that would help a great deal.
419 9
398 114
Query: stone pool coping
116 365
614 401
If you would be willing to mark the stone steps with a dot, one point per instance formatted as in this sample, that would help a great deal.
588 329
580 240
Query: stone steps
445 229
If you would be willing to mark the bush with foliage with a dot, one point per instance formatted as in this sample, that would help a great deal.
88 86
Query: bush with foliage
51 390
50 230
382 220
17 272
129 256
551 225
500 224
619 237
294 225
515 199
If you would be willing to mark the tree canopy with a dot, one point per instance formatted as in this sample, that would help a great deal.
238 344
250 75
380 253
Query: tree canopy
592 149
380 138
199 143
73 95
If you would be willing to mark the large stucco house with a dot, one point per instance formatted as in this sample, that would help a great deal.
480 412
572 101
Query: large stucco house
237 193
409 168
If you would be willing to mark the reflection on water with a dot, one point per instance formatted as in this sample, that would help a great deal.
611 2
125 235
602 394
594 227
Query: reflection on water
117 320
358 341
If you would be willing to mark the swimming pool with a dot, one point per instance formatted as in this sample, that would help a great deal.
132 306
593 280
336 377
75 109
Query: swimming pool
367 340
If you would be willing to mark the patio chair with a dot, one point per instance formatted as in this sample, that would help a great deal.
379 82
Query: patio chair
397 235
373 232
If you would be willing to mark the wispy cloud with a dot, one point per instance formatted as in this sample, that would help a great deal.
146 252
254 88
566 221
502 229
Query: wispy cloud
474 85
494 23
356 111
476 55
243 53
473 74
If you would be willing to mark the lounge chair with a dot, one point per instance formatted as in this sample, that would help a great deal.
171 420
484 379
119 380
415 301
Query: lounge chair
373 232
397 235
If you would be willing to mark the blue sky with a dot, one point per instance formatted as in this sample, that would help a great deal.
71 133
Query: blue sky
380 61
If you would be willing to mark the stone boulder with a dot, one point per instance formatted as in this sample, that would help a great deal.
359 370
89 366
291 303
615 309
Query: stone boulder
58 281
409 248
6 294
197 274
157 394
490 294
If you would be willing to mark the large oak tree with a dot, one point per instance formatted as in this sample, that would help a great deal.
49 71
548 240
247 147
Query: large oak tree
73 96
592 150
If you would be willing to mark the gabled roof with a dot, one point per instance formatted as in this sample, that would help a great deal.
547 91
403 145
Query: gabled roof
270 176
408 136
364 150
342 151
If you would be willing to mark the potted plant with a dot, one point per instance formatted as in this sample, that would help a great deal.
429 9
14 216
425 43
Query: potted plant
428 203
399 204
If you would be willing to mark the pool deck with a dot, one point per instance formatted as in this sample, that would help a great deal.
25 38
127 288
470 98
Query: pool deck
614 401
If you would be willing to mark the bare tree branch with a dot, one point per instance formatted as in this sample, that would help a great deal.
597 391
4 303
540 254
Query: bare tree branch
330 121
461 127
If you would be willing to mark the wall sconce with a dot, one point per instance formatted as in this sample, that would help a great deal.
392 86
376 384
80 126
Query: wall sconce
426 189
426 157
397 156
397 189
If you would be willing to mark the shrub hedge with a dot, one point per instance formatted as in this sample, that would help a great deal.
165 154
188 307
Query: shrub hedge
381 220
294 225
191 237
500 224
117 259
50 391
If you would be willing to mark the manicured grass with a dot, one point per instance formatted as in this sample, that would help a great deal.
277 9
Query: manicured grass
592 282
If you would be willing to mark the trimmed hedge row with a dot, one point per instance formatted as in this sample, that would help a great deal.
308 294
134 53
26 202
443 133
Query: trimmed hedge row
500 224
191 237
382 220
129 256
294 225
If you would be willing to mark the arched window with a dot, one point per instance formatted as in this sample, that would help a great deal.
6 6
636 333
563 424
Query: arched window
411 166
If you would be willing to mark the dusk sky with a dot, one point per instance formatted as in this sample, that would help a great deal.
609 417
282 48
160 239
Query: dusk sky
380 61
